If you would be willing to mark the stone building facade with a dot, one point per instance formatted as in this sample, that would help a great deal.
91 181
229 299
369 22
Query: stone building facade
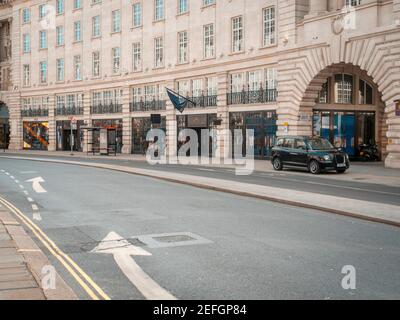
289 67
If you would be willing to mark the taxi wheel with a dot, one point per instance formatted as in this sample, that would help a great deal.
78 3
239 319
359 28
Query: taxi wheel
314 167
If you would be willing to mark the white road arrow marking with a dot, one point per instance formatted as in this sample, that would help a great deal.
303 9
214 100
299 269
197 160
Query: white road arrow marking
122 251
36 186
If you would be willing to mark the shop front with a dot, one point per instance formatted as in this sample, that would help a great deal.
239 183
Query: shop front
264 125
198 122
36 135
345 129
4 126
114 134
64 136
140 128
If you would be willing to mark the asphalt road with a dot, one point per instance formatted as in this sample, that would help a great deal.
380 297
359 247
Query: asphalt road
288 179
246 248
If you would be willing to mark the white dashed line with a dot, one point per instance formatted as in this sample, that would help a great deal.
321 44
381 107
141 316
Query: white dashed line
7 173
26 192
30 199
16 181
21 186
37 217
12 177
35 207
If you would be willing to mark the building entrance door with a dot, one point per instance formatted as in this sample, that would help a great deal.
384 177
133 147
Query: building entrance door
4 126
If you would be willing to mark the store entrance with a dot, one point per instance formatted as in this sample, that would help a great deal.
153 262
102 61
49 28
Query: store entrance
264 126
197 123
345 129
4 126
64 136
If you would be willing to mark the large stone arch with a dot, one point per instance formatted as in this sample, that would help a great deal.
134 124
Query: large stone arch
302 74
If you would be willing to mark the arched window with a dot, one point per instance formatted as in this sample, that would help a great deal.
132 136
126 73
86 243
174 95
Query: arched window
344 88
365 93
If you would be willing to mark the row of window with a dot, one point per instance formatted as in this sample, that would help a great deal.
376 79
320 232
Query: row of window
343 91
159 9
269 34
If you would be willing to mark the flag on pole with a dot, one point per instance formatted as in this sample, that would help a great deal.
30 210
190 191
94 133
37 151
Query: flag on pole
179 102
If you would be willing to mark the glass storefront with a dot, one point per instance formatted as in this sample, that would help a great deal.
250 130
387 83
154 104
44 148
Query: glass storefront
4 133
198 122
264 125
64 136
4 126
140 128
114 133
36 135
345 129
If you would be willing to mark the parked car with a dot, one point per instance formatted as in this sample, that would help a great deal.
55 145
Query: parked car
315 154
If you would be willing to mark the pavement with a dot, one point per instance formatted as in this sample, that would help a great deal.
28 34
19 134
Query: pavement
368 192
24 267
137 237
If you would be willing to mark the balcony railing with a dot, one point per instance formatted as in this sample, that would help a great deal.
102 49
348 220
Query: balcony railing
36 112
148 105
203 101
106 108
250 97
68 111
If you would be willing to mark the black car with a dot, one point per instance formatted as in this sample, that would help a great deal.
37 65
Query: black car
315 154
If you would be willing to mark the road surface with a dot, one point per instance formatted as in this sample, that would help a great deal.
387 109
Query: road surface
203 244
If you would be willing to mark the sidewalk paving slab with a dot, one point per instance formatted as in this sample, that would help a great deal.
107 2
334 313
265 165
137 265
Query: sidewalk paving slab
21 263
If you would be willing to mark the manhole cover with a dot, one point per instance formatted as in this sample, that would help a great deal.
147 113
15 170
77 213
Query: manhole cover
175 238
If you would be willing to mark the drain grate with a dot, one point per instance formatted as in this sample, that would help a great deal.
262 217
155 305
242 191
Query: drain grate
174 238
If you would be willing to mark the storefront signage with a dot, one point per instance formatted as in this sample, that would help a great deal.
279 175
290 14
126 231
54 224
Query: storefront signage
286 127
197 121
397 108
304 117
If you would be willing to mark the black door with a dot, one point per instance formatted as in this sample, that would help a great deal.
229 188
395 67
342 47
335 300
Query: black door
288 151
299 154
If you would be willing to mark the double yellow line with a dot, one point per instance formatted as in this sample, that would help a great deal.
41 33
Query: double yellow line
91 288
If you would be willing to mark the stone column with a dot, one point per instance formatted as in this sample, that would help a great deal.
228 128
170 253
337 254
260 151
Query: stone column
318 6
16 121
87 118
126 122
223 114
52 124
396 12
172 129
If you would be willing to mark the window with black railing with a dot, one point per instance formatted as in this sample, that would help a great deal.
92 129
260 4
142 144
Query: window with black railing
73 110
106 108
252 96
202 101
35 112
148 104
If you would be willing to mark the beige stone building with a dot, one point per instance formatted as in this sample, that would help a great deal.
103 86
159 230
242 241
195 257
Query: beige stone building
298 67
